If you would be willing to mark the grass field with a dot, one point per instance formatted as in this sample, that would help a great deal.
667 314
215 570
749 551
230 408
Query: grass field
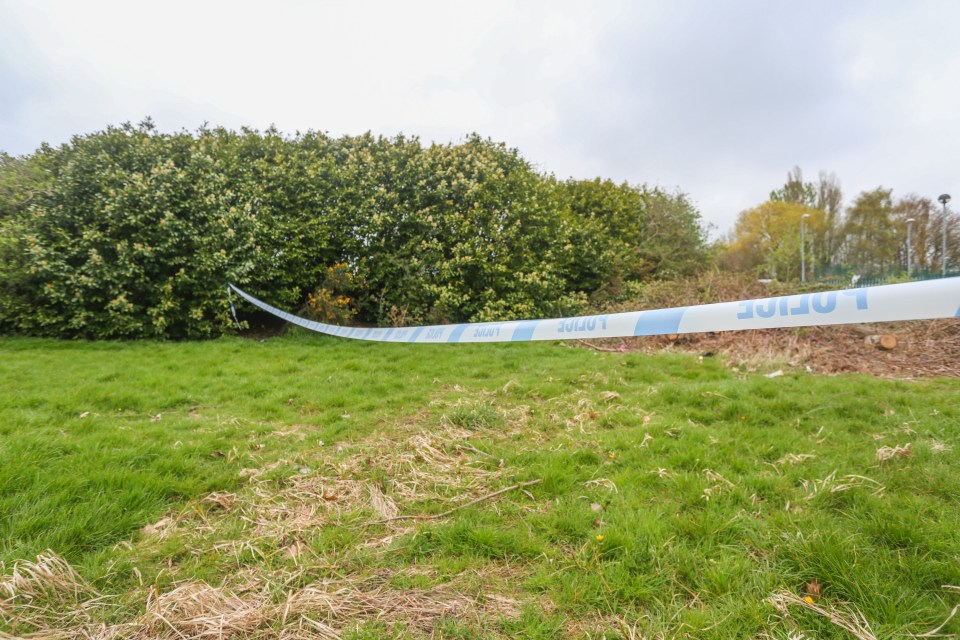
313 487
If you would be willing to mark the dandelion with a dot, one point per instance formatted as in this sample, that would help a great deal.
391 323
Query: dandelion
599 537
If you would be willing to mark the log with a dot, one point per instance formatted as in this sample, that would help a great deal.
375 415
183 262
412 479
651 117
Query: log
888 342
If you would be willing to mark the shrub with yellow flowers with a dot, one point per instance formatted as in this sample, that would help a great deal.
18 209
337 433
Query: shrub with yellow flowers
333 301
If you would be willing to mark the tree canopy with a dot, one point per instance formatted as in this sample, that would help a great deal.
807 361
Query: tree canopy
869 237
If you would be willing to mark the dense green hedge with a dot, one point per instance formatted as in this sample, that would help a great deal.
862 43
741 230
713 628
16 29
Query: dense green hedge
133 233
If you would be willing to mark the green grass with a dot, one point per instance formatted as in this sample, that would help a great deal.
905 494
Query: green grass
711 489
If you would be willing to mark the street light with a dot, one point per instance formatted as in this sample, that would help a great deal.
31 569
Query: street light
944 199
803 250
909 248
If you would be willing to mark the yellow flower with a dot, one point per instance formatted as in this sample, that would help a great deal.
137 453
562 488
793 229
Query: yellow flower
599 538
808 599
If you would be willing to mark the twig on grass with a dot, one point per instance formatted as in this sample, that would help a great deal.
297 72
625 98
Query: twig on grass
446 513
468 447
619 349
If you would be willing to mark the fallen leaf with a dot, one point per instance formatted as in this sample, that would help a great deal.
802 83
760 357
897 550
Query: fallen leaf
293 550
221 500
813 589
217 454
156 527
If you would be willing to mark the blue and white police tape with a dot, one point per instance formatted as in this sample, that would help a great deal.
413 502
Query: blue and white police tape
889 303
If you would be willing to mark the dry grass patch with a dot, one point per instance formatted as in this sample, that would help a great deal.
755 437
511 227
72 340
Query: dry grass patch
414 468
48 593
49 603
847 617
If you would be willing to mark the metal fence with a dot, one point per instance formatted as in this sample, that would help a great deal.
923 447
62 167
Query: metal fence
851 279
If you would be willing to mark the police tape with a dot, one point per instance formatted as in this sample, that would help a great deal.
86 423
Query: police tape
926 300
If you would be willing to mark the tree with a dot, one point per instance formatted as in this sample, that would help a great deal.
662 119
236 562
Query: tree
824 195
923 234
796 190
830 201
766 239
631 233
871 239
935 239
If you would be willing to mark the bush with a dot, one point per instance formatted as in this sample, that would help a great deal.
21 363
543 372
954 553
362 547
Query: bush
131 233
136 237
332 302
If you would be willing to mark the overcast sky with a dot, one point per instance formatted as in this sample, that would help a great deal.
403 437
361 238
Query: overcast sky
717 98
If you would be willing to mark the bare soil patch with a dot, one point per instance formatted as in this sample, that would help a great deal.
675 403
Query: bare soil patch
924 348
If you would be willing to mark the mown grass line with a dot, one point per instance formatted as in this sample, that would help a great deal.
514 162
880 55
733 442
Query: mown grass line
678 495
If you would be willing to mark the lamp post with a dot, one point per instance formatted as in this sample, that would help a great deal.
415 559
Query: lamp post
909 248
944 199
803 248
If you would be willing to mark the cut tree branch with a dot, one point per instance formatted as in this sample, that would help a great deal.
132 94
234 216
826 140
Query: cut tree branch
446 513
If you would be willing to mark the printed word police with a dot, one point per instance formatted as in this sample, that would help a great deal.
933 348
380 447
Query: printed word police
798 305
581 324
